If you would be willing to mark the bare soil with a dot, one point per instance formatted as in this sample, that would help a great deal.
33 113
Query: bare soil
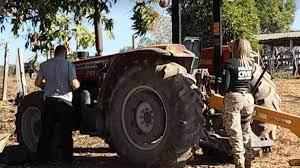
94 152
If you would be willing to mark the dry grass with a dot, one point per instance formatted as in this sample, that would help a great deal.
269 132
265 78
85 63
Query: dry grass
94 152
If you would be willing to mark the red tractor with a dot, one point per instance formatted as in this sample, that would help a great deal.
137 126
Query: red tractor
141 102
145 103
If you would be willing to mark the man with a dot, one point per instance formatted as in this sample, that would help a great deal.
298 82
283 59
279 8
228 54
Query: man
58 78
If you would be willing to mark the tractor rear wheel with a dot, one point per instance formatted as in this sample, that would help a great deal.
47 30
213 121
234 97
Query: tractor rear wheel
266 95
28 122
155 116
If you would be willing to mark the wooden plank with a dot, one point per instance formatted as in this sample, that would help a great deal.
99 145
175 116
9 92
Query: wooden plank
294 162
263 114
22 73
5 74
18 76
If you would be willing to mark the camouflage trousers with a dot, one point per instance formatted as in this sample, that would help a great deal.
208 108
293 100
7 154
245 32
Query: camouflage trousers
237 119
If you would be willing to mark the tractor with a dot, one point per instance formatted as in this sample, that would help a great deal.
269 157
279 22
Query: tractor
150 104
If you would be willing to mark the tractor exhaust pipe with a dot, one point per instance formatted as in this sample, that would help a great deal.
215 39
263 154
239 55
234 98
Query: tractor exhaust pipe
218 41
176 22
176 19
98 29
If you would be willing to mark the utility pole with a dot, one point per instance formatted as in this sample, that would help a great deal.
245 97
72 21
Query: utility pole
98 28
5 74
218 40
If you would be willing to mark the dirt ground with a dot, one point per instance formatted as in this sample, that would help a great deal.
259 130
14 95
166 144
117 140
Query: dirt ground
94 152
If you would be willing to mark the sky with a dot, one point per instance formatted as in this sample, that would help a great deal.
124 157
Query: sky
121 13
296 24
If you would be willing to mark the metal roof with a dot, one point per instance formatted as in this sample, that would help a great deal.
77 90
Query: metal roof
280 39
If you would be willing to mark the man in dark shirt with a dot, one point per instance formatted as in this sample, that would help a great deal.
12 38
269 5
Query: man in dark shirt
58 78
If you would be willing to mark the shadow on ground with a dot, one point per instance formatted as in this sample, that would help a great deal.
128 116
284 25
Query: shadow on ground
16 157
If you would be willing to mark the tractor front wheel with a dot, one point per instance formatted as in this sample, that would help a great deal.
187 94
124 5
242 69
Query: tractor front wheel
28 122
155 116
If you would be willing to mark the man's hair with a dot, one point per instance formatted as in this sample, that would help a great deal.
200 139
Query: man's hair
60 50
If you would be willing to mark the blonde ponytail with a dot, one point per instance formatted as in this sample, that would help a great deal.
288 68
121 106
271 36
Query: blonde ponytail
242 50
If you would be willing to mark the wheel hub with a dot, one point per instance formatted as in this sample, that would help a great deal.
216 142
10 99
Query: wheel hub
145 117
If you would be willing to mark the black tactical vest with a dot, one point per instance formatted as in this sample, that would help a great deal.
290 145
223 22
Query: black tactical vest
238 77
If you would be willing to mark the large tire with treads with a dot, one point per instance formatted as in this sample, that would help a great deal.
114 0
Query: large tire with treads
266 95
28 124
155 116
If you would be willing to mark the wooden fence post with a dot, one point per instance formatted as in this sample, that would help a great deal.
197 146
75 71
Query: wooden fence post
5 74
49 54
20 73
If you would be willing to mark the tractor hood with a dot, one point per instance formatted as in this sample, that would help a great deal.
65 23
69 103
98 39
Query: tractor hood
176 50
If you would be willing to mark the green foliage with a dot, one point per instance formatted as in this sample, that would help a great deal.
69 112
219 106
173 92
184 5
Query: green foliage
61 30
245 18
148 41
56 20
72 56
144 17
84 38
276 15
160 34
241 19
197 20
162 30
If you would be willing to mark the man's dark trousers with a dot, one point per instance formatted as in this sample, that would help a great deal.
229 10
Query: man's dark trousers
56 143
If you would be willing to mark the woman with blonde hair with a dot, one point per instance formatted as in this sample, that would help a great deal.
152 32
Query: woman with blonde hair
239 102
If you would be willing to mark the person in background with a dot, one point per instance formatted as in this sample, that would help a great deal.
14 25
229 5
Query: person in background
58 78
239 102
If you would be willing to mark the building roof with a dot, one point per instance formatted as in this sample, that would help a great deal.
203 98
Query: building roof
280 39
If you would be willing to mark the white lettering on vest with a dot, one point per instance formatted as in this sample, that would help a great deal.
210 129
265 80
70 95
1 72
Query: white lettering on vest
244 73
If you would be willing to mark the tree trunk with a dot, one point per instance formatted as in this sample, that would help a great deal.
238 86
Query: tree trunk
5 74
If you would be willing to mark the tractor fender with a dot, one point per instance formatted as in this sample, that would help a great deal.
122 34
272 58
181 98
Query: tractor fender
155 54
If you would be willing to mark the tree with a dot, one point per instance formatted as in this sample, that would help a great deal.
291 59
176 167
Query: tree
148 41
54 20
160 34
276 15
197 20
44 15
241 19
162 29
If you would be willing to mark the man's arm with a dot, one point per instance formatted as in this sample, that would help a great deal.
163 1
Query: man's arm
74 83
39 79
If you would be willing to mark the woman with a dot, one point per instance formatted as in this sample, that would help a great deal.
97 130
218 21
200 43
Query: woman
239 102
